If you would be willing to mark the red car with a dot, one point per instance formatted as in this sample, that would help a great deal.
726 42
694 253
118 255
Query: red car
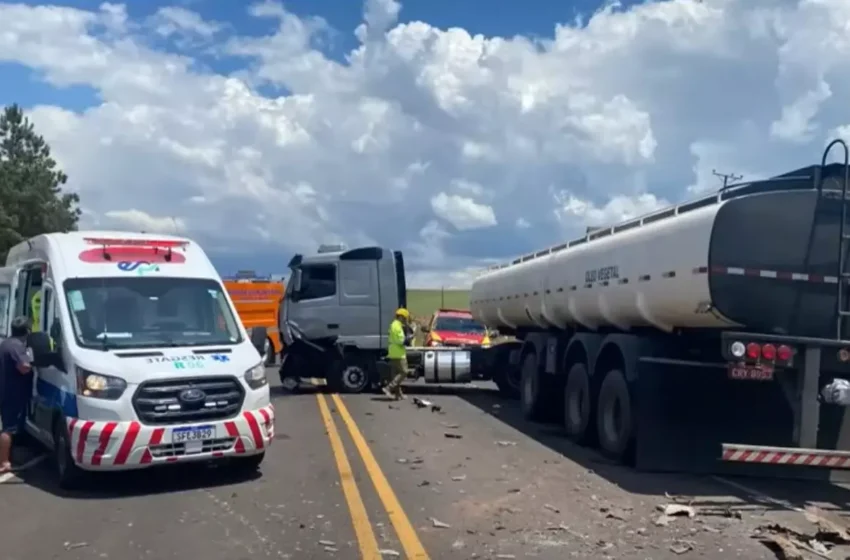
455 327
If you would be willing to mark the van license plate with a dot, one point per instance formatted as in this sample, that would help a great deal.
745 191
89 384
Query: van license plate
742 372
192 433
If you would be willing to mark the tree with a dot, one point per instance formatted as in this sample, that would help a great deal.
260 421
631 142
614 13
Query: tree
32 201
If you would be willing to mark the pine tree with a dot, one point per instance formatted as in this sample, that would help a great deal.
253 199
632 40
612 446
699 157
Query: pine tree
32 200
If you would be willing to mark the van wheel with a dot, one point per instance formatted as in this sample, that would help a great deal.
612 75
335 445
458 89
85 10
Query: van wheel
248 465
578 405
69 475
614 419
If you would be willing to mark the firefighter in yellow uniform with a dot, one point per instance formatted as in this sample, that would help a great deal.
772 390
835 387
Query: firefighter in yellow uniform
35 307
397 354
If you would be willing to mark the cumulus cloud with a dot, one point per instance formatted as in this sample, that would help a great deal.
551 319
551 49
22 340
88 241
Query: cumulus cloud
420 137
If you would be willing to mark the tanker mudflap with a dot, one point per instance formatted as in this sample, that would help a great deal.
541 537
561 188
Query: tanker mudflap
686 411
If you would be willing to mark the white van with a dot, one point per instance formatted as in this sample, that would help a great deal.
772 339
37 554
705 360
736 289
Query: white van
147 362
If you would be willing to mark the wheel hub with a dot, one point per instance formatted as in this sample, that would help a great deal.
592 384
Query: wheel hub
289 383
354 378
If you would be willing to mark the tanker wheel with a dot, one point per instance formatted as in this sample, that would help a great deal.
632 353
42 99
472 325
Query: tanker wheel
578 405
614 419
534 397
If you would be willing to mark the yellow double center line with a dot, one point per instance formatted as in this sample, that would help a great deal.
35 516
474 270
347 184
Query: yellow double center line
362 526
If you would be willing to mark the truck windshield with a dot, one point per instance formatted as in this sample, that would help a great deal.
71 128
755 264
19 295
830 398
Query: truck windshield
148 312
458 324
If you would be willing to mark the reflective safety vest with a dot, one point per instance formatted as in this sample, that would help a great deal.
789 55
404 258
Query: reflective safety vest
395 346
35 306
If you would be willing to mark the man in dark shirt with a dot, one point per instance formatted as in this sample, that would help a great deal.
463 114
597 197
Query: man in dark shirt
16 392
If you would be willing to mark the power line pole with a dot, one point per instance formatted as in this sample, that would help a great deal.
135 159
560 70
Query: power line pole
727 177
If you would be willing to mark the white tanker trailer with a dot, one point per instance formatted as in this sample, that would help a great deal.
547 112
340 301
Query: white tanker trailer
699 337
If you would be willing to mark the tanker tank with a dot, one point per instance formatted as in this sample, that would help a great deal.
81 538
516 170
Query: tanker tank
756 256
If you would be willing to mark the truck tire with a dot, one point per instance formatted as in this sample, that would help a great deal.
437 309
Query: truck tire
614 417
269 354
532 393
578 405
68 474
351 375
290 373
258 339
506 376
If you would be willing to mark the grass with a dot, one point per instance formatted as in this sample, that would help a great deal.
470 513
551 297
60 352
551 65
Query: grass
423 303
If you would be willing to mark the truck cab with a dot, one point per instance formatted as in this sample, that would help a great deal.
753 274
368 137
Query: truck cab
338 306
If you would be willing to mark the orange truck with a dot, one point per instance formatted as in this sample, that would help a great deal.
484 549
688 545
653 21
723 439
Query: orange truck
258 302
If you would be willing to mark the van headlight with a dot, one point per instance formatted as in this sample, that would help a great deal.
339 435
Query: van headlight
256 376
99 386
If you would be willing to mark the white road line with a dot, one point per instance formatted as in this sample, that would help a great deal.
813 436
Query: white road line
757 494
6 477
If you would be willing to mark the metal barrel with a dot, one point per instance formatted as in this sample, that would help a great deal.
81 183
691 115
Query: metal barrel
447 366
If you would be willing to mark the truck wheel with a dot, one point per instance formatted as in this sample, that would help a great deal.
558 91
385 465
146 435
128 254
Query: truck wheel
614 420
508 380
268 352
69 475
351 376
578 405
532 395
290 375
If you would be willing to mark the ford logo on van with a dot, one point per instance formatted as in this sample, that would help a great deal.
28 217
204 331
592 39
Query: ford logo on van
192 396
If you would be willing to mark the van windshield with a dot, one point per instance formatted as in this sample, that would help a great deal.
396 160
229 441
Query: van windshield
146 312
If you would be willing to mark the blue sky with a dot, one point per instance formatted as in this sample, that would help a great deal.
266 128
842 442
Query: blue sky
478 134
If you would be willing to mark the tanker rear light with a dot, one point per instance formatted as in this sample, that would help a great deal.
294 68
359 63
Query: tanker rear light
753 351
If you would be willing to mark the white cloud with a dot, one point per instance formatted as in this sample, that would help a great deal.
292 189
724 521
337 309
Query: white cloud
462 212
420 128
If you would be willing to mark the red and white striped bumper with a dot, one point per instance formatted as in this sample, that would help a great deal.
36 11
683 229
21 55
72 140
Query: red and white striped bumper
793 456
133 445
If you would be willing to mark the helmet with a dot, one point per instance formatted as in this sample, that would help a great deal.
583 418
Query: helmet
402 312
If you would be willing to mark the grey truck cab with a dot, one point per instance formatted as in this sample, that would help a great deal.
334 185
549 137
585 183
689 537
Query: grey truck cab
336 312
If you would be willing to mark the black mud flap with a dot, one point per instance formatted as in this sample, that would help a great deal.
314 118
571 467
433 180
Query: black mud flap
686 411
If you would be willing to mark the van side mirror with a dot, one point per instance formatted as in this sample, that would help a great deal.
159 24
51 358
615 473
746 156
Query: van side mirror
43 354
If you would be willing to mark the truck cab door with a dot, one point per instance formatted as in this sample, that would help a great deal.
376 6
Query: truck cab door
314 303
360 310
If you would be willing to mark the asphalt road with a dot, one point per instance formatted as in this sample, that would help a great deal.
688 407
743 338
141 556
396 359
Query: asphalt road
360 477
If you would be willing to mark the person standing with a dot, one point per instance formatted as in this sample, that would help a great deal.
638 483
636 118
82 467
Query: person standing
397 354
16 377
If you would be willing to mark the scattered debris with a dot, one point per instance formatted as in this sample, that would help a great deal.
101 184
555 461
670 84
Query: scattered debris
677 510
327 543
451 435
828 530
681 547
450 426
620 514
459 478
424 483
506 556
506 443
551 508
389 552
401 460
439 524
789 544
72 546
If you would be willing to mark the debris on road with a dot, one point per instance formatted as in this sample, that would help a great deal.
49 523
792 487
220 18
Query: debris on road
827 530
551 508
439 524
327 543
389 552
681 547
423 403
452 435
670 511
506 443
73 546
789 544
459 478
